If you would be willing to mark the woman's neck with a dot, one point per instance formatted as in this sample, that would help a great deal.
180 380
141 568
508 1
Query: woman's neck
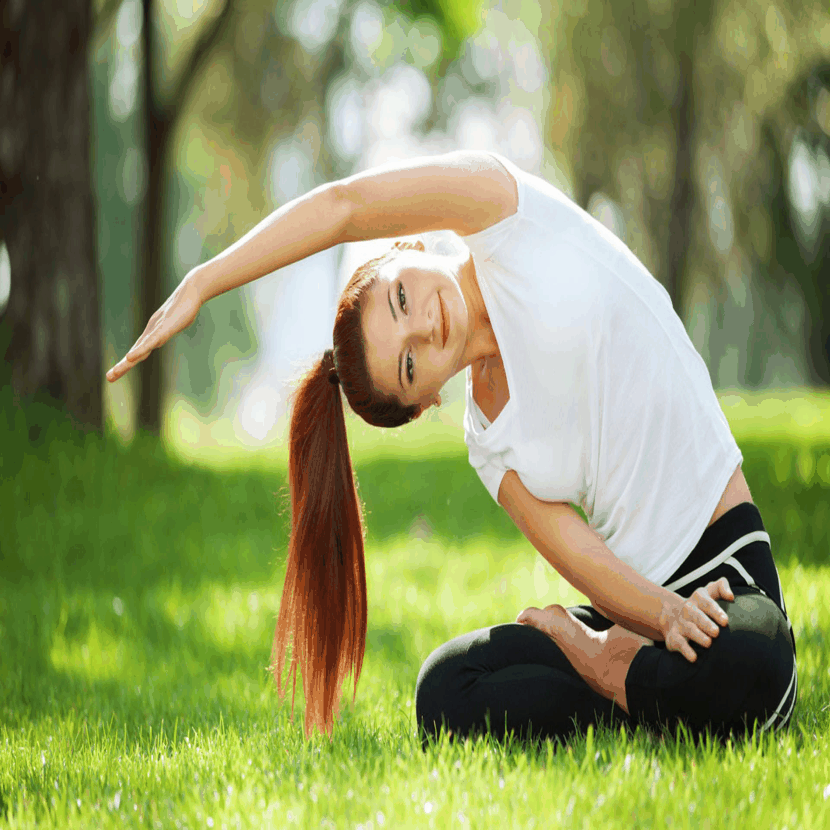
481 341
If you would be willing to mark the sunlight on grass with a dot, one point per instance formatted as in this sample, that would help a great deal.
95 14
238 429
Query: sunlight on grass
100 655
229 614
787 413
463 586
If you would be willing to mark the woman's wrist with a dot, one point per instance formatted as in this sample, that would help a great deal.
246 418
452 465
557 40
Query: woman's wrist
195 277
668 612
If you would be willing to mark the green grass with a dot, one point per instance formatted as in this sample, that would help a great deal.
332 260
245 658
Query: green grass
137 600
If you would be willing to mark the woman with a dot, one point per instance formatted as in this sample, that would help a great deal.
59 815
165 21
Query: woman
582 388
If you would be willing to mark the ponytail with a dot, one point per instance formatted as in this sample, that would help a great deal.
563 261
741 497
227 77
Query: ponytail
323 607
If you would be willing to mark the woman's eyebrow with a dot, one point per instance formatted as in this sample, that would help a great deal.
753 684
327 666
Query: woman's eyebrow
389 298
395 318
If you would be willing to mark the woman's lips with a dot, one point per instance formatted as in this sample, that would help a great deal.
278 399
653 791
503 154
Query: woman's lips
445 327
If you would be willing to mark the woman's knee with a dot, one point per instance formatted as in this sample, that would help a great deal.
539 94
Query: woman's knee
439 688
757 653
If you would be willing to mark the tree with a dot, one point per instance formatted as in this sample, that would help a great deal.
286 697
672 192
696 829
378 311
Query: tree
796 252
242 78
635 131
686 115
763 90
275 85
46 206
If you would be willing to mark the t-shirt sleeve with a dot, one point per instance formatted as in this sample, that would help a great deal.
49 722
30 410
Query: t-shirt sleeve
489 468
486 241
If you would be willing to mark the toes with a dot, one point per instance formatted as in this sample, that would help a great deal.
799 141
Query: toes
528 615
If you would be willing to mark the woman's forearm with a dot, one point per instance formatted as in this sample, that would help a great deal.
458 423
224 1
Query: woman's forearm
622 594
303 227
635 621
577 552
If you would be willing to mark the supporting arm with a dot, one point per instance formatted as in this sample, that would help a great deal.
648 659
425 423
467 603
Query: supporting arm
557 531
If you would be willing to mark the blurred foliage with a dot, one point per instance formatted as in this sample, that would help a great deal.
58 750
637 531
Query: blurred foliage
456 19
753 75
710 205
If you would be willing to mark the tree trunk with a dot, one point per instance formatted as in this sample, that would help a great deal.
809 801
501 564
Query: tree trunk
683 197
150 289
46 205
159 121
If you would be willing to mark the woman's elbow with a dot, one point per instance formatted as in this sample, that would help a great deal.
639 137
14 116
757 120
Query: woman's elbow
341 204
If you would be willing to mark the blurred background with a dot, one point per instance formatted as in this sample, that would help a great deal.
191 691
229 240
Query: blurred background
138 139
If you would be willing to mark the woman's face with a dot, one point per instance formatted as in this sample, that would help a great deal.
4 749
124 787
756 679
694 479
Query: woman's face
415 323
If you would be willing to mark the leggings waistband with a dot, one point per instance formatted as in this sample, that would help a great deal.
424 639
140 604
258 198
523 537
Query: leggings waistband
737 528
738 547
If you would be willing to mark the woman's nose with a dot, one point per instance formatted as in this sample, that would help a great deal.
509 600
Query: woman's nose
424 326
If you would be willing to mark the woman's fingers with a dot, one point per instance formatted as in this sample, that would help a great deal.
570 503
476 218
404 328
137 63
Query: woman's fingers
703 619
721 589
700 619
121 368
706 600
703 600
688 652
143 346
177 313
677 642
702 636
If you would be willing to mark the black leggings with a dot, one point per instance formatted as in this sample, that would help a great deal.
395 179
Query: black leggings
513 679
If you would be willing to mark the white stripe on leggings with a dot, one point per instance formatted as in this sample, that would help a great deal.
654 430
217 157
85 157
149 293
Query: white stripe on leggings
786 717
755 536
777 712
732 562
781 594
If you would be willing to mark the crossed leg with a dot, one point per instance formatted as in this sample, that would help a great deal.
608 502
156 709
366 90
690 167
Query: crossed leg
517 678
602 658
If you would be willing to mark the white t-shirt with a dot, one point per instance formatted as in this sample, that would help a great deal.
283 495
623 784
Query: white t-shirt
611 407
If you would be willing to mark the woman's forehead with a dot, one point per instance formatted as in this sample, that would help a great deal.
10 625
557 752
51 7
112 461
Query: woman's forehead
404 262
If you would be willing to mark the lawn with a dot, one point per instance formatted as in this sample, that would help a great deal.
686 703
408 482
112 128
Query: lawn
138 591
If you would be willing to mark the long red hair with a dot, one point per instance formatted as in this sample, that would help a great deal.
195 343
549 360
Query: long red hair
323 608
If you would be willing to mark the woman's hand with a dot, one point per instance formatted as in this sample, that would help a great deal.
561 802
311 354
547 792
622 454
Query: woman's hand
695 619
174 316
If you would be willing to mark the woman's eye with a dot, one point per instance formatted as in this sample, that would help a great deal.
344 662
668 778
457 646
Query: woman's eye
401 297
410 367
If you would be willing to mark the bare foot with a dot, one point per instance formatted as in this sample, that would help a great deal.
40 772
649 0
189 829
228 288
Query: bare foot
602 658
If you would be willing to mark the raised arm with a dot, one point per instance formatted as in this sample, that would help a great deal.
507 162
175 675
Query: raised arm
464 192
615 589
461 191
